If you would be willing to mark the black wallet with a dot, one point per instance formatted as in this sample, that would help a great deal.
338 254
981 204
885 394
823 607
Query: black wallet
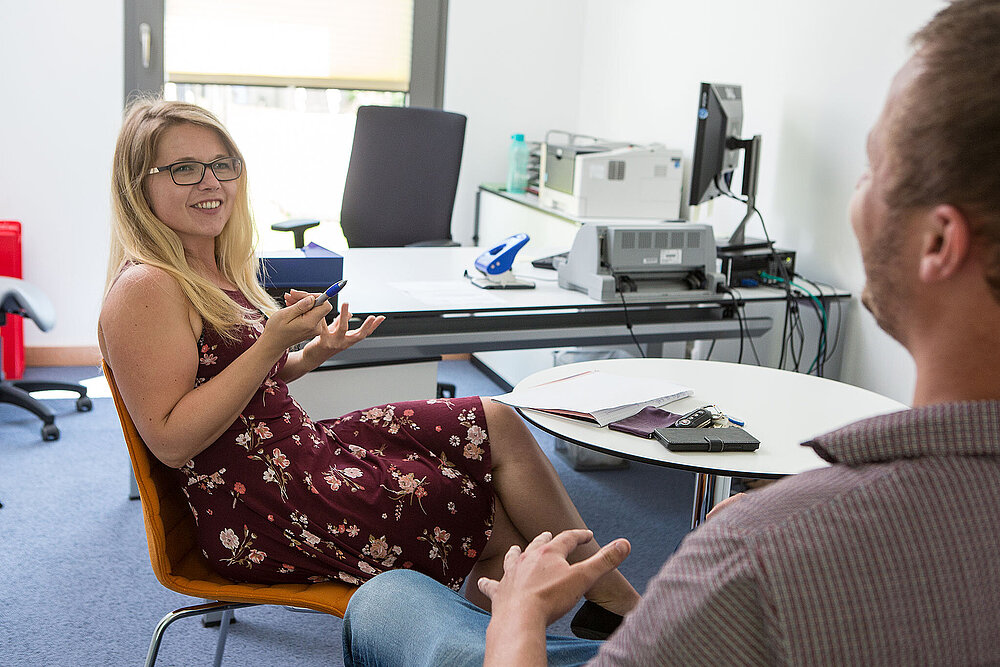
732 439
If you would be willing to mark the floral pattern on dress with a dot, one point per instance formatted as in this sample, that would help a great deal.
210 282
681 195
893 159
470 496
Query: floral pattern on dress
439 547
274 460
338 478
241 548
409 488
281 498
386 417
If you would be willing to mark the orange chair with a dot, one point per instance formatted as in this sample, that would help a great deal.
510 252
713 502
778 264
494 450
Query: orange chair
178 562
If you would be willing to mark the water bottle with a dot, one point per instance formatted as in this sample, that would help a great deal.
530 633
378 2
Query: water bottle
517 165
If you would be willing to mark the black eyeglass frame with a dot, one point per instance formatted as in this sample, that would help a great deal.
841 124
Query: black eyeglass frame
169 168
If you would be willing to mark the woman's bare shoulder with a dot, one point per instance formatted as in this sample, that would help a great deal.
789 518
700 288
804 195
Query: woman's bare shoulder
145 309
145 294
146 283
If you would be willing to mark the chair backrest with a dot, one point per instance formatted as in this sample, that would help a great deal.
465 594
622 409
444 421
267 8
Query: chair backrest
402 177
177 561
169 525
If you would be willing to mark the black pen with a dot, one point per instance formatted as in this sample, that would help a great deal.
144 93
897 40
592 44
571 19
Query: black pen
331 291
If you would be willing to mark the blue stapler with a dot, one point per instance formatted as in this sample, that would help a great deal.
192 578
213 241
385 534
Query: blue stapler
495 265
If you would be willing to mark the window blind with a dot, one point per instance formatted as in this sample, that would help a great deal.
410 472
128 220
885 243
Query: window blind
348 44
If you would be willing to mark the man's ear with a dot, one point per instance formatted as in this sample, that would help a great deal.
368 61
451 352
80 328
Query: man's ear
946 242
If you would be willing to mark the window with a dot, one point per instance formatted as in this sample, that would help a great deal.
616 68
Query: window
287 79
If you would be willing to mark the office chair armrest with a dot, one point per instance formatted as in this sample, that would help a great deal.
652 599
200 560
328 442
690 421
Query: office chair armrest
436 243
298 227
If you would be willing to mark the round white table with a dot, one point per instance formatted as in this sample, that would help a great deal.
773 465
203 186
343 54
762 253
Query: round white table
782 409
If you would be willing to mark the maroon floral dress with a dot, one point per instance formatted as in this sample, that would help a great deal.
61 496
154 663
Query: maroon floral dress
279 498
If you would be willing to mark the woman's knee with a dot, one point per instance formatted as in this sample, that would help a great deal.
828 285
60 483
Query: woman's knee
506 430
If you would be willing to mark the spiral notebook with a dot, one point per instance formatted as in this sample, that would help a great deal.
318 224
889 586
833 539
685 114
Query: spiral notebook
596 396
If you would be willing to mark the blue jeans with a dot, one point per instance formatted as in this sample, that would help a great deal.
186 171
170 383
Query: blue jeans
405 618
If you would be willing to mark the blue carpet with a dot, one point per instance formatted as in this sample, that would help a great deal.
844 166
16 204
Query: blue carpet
76 587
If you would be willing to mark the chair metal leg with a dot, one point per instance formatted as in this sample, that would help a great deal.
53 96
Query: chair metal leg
220 645
185 612
133 486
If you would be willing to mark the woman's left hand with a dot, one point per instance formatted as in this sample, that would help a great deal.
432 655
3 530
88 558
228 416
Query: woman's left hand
336 337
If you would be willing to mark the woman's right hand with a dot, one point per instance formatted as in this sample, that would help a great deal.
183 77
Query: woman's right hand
294 324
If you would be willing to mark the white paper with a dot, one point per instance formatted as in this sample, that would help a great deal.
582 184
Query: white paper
445 293
606 397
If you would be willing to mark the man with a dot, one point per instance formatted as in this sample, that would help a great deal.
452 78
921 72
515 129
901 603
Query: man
887 556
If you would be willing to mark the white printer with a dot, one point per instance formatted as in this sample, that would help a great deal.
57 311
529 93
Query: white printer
615 260
584 176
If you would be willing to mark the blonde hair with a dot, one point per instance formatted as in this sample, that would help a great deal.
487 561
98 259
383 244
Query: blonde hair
138 236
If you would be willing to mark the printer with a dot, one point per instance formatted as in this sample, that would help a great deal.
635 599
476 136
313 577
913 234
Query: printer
589 177
609 261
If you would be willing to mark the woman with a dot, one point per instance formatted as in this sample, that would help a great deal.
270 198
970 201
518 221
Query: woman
201 356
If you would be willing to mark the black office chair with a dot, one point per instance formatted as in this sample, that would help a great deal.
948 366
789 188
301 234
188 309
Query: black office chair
401 180
21 298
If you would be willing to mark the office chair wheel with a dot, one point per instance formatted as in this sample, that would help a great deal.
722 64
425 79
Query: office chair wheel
84 404
50 432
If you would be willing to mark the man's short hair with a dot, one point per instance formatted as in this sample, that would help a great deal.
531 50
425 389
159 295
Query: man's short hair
944 137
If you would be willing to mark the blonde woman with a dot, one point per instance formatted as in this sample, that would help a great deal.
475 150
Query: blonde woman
201 356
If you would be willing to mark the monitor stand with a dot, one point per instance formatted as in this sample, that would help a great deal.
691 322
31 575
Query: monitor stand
751 167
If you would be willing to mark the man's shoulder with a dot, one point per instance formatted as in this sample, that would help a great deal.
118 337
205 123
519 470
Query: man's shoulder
803 497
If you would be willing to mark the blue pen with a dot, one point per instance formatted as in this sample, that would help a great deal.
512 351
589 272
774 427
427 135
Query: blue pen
330 292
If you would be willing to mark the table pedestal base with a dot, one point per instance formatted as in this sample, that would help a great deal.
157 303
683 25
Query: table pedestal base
709 490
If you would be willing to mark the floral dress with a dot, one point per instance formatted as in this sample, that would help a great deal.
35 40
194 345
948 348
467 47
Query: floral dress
279 498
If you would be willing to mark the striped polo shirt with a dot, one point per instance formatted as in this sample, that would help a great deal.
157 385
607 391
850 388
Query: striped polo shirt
891 556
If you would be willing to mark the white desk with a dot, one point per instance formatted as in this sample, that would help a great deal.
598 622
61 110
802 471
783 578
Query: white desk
780 408
431 309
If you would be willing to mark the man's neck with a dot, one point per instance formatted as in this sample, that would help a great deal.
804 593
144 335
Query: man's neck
962 367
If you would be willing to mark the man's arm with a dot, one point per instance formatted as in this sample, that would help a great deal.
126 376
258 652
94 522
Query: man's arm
706 606
539 586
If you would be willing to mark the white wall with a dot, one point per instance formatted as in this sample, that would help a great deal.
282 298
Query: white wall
814 76
60 108
511 67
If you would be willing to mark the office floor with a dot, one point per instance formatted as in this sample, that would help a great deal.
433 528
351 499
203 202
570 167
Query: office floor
75 581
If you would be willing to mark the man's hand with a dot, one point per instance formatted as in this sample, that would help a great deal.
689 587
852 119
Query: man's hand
731 500
539 586
541 579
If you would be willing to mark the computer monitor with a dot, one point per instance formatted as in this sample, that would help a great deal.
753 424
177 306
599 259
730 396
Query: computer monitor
717 148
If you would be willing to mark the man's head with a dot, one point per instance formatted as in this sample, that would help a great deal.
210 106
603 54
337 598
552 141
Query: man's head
934 152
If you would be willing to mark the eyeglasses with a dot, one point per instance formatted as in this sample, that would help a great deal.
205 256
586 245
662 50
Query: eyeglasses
190 172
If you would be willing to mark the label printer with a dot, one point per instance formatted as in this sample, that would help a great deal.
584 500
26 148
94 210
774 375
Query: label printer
584 176
642 259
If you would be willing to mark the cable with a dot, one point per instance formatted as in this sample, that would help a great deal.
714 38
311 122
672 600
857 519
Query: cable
628 323
753 348
836 336
790 309
739 319
821 351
